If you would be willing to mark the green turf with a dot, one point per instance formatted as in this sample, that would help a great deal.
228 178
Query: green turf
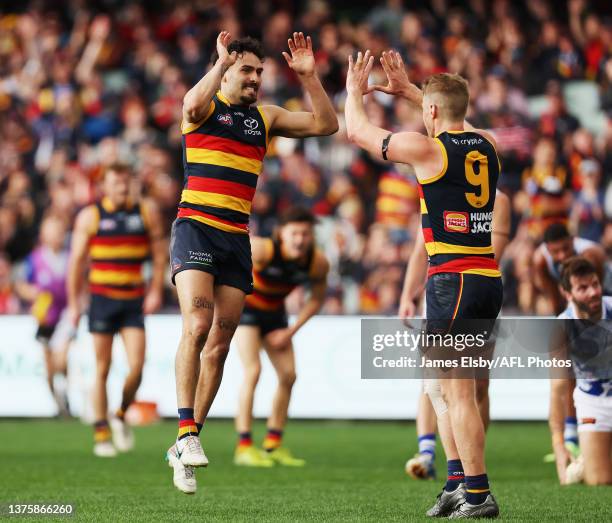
354 473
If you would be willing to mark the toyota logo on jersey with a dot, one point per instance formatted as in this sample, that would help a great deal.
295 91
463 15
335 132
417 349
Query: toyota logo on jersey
252 125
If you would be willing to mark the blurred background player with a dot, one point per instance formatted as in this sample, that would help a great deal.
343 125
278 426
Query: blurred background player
225 138
422 465
280 264
558 246
117 235
44 286
592 393
464 280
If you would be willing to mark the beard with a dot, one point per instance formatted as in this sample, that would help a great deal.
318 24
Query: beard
591 308
250 96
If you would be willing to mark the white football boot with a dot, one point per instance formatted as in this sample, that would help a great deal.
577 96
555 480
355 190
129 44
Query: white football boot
184 476
123 435
421 466
191 452
105 449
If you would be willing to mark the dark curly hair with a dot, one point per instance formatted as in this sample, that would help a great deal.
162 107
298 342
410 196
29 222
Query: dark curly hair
575 266
297 213
246 44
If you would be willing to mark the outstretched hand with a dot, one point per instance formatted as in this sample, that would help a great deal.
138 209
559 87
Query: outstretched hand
358 73
227 59
301 59
398 83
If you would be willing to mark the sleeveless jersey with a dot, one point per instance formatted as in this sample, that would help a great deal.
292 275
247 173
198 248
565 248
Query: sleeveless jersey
591 353
547 205
273 283
117 251
457 206
223 157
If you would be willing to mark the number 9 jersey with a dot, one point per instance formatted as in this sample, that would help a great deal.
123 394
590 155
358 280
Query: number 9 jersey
457 206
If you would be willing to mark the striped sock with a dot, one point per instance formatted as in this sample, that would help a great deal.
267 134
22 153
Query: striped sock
101 431
245 439
427 444
187 425
570 432
455 475
477 488
273 439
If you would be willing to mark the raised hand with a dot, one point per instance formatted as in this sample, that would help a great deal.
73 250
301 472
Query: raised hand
100 28
226 59
358 73
301 59
398 82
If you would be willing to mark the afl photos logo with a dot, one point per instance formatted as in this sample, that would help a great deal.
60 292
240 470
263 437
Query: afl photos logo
455 221
225 119
252 127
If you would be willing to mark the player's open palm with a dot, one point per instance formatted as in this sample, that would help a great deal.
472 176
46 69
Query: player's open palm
359 72
301 59
398 82
223 40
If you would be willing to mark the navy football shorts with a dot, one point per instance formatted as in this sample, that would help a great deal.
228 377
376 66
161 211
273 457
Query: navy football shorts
109 316
267 321
462 302
225 255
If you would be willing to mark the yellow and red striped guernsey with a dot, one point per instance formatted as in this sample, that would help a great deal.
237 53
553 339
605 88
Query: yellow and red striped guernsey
457 206
117 251
223 157
395 203
274 282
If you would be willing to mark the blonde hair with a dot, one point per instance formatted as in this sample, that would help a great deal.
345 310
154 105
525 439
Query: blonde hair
117 167
454 95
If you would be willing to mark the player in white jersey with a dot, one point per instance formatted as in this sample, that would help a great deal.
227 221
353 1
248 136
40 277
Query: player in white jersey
591 353
557 247
421 466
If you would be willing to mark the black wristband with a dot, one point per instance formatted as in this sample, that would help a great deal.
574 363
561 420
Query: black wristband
385 145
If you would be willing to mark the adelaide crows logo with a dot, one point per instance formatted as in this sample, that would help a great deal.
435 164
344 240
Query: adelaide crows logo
252 126
225 119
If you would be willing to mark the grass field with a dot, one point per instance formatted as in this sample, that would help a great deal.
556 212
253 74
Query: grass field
354 473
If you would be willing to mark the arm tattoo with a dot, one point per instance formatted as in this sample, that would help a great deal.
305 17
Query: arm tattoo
199 302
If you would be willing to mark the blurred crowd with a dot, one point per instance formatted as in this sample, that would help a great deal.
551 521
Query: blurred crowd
84 84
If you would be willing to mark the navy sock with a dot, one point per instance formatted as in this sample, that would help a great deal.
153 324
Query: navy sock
455 475
477 488
185 414
187 425
199 425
